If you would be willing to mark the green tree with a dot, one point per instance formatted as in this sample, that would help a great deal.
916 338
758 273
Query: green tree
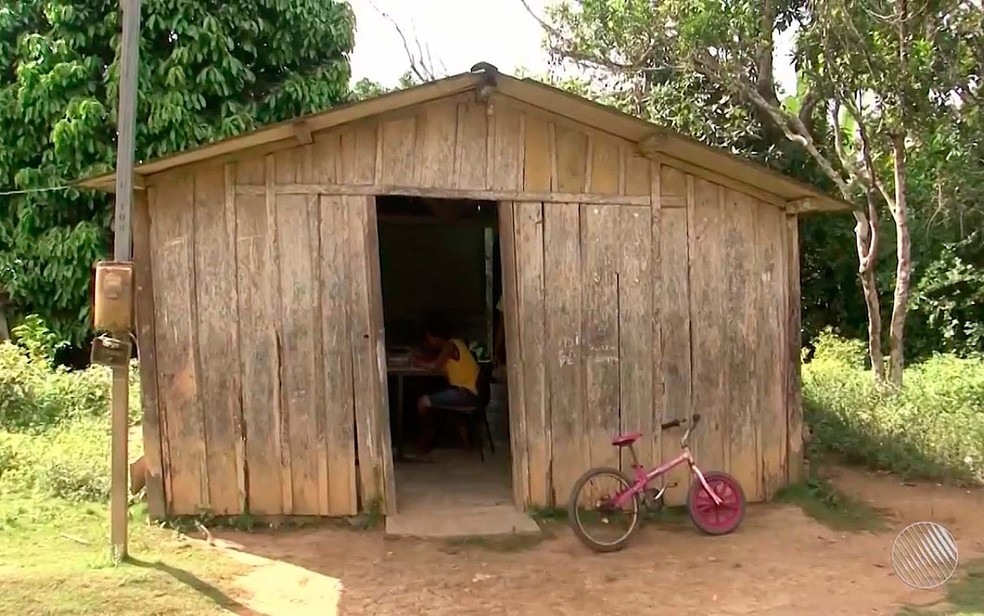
878 79
208 71
366 88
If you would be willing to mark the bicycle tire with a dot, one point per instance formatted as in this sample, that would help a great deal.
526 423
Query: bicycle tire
572 516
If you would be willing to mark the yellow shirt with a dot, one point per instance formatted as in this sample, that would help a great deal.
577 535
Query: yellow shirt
462 372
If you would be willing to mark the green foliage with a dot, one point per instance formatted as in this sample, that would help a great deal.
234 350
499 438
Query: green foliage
366 88
933 427
948 302
54 423
207 71
34 396
34 335
70 461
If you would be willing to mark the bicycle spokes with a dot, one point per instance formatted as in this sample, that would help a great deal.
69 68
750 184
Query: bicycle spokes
598 514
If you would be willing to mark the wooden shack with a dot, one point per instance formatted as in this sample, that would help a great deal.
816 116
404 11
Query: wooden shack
645 277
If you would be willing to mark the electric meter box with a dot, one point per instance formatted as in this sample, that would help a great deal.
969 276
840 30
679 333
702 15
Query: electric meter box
113 297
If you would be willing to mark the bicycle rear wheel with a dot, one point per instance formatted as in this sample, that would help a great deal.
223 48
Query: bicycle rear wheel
594 518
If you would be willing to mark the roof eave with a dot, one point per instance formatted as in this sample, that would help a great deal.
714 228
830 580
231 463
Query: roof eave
649 137
296 128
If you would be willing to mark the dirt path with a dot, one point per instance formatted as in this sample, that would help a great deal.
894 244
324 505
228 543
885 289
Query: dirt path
780 562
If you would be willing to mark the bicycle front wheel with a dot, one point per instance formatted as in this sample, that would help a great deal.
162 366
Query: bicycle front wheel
596 521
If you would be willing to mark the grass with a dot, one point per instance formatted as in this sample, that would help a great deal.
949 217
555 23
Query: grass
55 559
932 428
964 595
824 503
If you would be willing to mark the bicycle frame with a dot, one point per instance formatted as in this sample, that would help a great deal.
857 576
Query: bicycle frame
642 478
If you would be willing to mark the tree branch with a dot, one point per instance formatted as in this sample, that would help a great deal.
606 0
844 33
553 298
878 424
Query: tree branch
419 67
569 49
791 126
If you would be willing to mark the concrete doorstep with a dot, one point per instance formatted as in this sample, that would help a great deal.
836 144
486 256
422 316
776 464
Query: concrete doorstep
466 522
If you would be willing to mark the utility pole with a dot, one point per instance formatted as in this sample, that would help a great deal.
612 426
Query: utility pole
126 120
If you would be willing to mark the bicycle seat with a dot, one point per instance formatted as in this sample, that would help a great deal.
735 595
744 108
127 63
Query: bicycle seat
626 439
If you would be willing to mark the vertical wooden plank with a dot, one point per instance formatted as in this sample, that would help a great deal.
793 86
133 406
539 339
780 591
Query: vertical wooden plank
707 294
437 131
325 157
562 357
794 395
280 412
507 152
491 120
318 166
472 146
658 408
336 291
151 423
260 361
218 337
528 221
571 154
377 339
676 325
397 146
173 237
638 178
635 330
365 368
515 373
539 153
772 353
358 155
605 166
364 339
742 305
299 326
238 427
599 329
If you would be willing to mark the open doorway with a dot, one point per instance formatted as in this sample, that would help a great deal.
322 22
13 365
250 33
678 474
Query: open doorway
440 275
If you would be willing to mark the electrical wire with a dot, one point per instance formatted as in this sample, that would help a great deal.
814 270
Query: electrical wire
28 191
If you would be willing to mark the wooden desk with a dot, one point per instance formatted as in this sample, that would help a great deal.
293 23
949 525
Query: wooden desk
401 369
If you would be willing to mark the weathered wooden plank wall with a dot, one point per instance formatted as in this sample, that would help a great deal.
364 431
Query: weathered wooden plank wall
640 291
649 313
266 334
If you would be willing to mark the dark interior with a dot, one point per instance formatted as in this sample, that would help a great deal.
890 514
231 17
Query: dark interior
438 257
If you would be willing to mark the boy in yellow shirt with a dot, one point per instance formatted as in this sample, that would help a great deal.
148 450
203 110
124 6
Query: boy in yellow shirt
451 357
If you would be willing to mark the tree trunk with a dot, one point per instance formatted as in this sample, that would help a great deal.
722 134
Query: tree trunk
4 330
903 268
866 237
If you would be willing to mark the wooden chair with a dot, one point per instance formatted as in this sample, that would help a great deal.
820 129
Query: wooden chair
477 414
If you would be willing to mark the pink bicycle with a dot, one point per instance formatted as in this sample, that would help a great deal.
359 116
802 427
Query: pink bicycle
715 502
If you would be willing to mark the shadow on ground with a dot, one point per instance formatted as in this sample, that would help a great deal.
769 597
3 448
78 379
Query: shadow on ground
200 586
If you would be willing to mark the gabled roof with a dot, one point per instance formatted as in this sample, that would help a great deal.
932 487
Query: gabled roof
651 138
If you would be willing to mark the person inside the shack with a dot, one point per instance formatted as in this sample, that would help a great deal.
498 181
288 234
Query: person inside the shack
442 352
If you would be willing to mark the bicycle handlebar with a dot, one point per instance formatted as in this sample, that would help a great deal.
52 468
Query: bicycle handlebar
694 420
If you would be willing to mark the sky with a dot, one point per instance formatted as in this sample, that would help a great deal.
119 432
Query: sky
459 33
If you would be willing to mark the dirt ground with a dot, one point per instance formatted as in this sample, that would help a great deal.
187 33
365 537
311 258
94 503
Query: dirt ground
779 562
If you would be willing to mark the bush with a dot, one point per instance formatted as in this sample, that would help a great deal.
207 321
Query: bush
933 427
70 461
35 396
54 422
